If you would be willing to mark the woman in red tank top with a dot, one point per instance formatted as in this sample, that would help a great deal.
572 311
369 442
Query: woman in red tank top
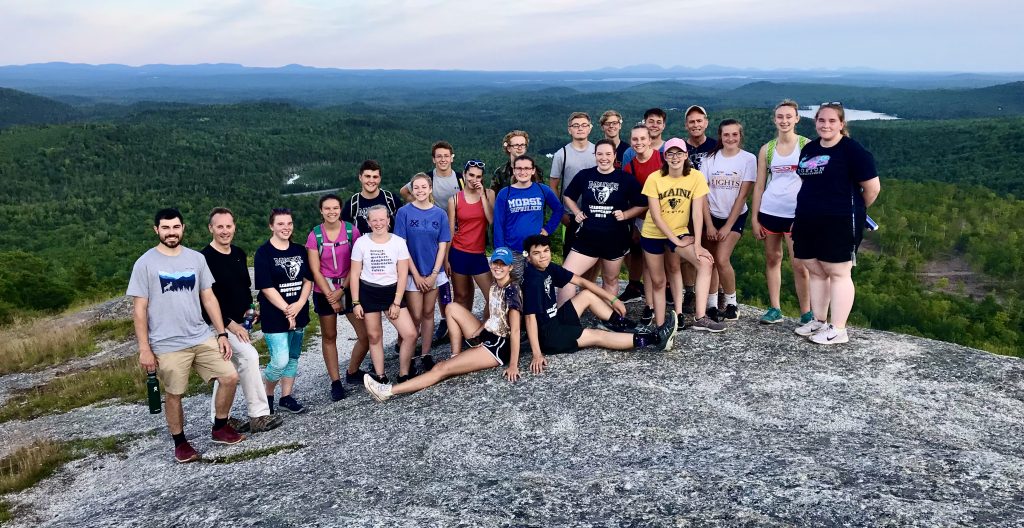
470 214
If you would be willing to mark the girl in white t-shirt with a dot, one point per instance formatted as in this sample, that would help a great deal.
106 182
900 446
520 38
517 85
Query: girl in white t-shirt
381 261
731 173
774 206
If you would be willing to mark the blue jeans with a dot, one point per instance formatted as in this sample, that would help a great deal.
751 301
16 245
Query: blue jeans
285 348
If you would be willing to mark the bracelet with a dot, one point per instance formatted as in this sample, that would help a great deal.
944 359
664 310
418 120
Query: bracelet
222 334
396 304
355 303
612 302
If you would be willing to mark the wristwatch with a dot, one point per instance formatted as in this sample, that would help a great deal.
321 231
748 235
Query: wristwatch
222 334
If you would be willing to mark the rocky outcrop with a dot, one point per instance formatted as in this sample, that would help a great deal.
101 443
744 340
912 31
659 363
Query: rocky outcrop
753 427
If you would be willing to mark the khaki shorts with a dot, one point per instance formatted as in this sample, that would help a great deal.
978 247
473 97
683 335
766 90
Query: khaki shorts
173 367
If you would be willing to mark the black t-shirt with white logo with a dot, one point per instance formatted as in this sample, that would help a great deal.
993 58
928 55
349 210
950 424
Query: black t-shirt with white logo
284 271
598 195
831 178
539 295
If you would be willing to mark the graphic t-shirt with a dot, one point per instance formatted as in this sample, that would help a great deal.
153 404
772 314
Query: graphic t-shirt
355 209
725 176
640 170
232 287
172 286
598 195
380 261
568 161
539 295
831 178
501 300
697 154
283 271
519 213
444 187
423 231
779 196
335 255
675 195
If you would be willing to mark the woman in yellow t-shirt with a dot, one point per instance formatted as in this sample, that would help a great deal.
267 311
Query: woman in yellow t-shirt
676 198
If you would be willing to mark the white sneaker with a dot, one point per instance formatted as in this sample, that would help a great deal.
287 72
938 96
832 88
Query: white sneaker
810 328
830 336
380 391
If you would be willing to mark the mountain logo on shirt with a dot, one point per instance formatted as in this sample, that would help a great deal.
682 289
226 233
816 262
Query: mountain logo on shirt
177 281
603 190
291 266
815 162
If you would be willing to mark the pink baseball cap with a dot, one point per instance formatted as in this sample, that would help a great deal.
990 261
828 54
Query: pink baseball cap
674 143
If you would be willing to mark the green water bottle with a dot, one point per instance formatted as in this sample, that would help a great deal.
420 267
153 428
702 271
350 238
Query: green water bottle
153 391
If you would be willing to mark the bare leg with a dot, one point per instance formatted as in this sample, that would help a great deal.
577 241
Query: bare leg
483 281
462 290
174 413
703 284
329 345
841 291
592 337
362 346
407 331
461 323
821 294
578 264
654 279
287 384
610 275
773 268
426 321
586 300
723 255
225 395
472 360
375 337
801 278
675 280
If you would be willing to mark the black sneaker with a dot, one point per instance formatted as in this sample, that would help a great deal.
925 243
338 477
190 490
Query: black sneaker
647 317
617 323
730 313
355 379
383 378
712 313
632 293
337 390
689 302
270 402
291 405
426 363
668 330
407 377
680 322
441 333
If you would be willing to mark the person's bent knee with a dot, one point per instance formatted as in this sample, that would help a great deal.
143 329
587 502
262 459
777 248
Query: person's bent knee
228 380
408 334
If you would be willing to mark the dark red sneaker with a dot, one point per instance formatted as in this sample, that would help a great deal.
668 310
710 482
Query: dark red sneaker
226 435
184 453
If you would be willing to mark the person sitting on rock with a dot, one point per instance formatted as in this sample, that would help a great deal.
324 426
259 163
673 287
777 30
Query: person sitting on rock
493 343
554 329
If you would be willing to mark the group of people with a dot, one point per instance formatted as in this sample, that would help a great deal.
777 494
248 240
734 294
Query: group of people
670 211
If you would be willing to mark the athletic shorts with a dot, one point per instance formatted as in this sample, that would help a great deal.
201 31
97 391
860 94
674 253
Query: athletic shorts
657 246
498 346
604 246
322 307
173 367
634 239
775 225
831 239
570 236
442 279
736 228
560 335
468 263
375 298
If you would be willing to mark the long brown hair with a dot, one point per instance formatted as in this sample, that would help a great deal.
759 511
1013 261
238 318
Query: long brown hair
839 110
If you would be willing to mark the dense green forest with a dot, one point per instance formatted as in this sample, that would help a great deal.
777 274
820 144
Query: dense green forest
78 198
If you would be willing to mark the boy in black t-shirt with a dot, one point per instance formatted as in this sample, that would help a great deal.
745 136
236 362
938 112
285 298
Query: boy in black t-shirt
557 329
354 209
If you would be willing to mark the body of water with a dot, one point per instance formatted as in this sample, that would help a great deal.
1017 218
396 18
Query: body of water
851 114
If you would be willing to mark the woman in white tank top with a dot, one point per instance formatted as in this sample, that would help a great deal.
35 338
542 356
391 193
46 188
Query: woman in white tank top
774 207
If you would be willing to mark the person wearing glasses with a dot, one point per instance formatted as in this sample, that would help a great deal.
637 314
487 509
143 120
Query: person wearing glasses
519 211
676 195
839 183
575 156
493 342
284 281
611 125
774 207
470 215
515 144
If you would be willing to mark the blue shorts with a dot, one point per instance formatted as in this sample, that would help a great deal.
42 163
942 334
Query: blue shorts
468 263
736 228
657 246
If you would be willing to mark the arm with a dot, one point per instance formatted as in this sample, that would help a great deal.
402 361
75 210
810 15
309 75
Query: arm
354 271
698 223
551 199
403 278
512 370
487 197
439 262
140 316
601 293
406 192
659 222
737 207
499 221
212 308
870 189
533 334
313 257
573 209
630 213
759 185
709 226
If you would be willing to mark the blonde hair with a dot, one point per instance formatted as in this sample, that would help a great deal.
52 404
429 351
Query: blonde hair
839 110
788 103
607 114
430 182
512 134
579 115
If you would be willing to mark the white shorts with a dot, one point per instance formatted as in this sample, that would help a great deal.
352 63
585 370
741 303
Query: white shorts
442 279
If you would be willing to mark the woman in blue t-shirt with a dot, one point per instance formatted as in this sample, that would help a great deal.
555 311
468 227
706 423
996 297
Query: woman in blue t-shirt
284 282
424 226
839 184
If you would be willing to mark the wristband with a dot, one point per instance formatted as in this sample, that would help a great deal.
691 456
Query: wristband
355 303
612 302
222 334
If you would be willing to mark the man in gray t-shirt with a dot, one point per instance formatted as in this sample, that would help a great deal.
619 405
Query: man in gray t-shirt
168 284
569 160
444 181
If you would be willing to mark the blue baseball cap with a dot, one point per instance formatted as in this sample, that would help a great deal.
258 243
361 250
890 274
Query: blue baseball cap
503 254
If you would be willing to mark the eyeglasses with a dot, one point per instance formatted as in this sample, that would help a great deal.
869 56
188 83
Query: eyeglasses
442 156
832 103
675 154
517 145
475 163
580 126
612 123
522 169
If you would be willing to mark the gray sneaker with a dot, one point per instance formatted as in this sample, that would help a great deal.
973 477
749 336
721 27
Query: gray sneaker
668 330
262 424
707 325
380 391
809 328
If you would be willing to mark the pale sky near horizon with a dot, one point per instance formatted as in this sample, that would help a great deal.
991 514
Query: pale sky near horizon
905 35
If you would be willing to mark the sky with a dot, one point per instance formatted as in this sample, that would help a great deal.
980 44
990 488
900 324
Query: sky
538 35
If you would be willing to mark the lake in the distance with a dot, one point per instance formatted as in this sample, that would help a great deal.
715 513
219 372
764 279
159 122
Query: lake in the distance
851 114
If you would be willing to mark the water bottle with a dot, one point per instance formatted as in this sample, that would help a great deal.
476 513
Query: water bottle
250 317
870 223
153 392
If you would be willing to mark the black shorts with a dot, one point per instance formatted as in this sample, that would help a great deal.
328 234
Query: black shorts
498 346
775 225
374 298
570 237
559 335
831 239
634 241
604 246
736 228
322 307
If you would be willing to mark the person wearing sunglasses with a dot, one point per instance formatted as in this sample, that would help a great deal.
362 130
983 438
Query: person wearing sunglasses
514 144
840 182
470 215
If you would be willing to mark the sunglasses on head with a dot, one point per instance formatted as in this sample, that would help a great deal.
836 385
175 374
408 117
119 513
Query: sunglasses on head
833 103
475 163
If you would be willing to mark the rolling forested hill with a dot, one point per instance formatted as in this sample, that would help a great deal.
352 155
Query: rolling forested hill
20 108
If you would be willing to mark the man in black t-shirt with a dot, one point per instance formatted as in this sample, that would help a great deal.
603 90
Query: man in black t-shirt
355 208
557 329
232 288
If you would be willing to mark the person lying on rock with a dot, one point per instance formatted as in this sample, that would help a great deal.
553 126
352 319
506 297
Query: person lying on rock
493 343
554 329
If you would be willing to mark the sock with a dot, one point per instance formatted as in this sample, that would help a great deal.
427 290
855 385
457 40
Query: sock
643 339
713 301
179 438
688 288
336 383
219 423
730 298
270 402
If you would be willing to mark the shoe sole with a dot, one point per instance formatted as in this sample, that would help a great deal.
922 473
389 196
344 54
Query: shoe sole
632 299
770 322
803 334
833 342
187 460
706 329
225 442
667 345
300 411
372 392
